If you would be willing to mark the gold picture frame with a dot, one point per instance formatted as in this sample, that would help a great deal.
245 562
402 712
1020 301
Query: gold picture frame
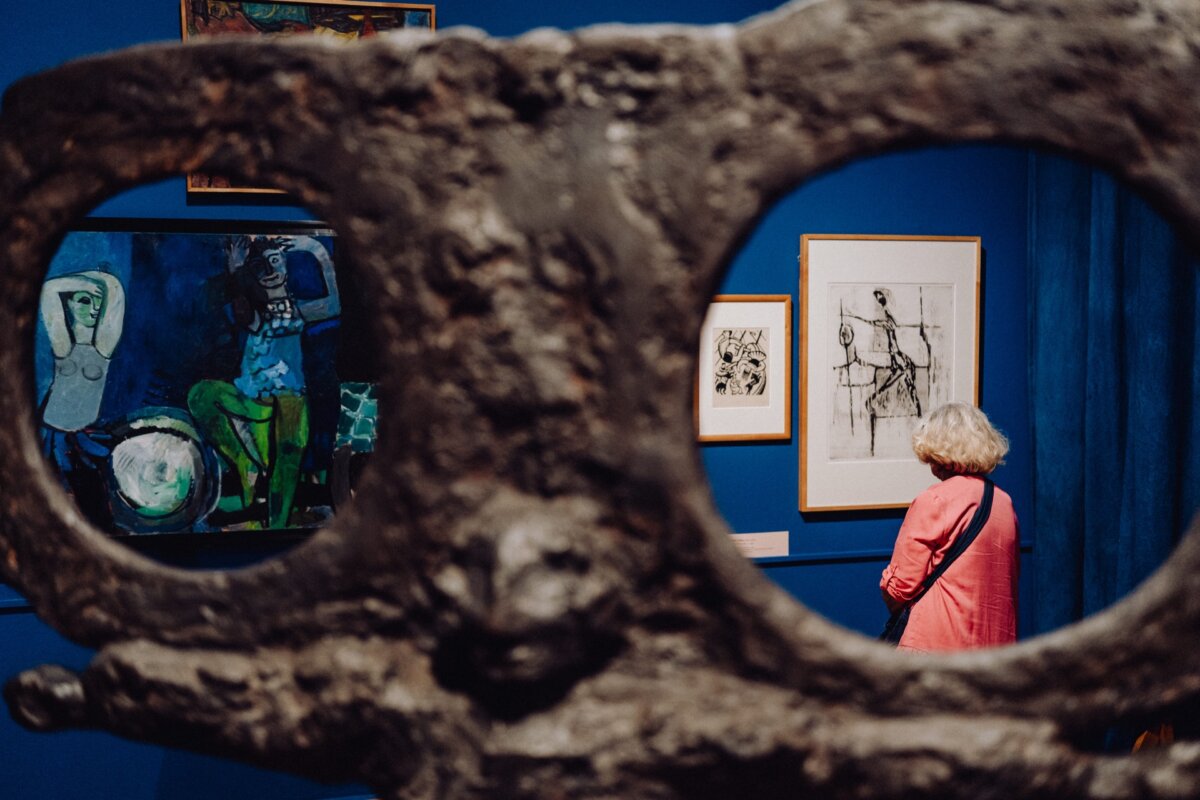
889 330
744 380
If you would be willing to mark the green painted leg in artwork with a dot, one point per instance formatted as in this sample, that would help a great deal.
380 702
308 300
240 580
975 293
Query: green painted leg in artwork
217 406
290 430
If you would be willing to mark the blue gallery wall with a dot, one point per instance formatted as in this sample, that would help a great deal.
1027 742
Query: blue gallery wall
836 558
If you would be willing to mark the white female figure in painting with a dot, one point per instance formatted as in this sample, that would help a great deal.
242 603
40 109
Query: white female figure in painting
84 314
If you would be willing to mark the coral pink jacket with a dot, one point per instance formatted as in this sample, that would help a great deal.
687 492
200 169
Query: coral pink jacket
974 603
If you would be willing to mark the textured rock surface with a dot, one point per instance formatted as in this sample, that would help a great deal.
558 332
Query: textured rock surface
533 595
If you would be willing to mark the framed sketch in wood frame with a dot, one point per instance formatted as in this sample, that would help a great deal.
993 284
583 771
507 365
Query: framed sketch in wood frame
337 20
890 330
744 386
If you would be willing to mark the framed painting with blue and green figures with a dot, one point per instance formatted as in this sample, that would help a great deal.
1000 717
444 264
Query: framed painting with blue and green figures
196 376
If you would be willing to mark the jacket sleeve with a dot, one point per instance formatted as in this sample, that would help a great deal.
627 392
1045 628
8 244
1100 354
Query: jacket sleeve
926 529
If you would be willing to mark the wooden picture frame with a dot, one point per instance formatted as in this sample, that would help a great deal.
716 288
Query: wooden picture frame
744 381
346 20
890 330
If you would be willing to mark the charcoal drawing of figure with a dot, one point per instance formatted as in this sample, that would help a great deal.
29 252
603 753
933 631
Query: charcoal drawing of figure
896 390
740 367
891 357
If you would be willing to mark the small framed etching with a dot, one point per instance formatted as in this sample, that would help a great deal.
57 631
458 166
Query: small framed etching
744 387
890 331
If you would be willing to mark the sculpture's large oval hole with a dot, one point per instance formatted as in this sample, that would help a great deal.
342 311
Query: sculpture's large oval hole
1087 361
197 378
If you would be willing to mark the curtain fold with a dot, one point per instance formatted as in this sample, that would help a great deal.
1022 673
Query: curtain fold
1114 384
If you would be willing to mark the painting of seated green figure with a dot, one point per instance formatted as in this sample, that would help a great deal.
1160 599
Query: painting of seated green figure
193 378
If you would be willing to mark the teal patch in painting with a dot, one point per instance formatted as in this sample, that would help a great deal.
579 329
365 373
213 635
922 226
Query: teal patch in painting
357 424
272 14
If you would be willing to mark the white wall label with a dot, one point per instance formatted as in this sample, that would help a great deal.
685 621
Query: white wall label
762 545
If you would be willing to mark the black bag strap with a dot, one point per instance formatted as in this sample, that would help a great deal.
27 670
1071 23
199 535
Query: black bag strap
982 512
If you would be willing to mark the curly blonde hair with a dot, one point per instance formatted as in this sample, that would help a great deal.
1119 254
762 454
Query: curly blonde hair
959 438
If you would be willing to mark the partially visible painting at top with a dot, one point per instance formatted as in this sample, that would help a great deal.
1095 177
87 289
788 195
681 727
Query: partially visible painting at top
344 20
891 362
196 380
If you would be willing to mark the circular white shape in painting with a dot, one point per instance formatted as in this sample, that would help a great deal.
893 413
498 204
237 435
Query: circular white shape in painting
156 471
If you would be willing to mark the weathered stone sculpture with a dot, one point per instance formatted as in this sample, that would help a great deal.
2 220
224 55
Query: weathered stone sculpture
532 595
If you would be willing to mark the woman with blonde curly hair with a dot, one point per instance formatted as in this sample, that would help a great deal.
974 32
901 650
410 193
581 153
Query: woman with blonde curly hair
974 602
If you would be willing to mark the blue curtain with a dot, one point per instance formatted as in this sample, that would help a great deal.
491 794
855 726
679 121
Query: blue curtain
1114 335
